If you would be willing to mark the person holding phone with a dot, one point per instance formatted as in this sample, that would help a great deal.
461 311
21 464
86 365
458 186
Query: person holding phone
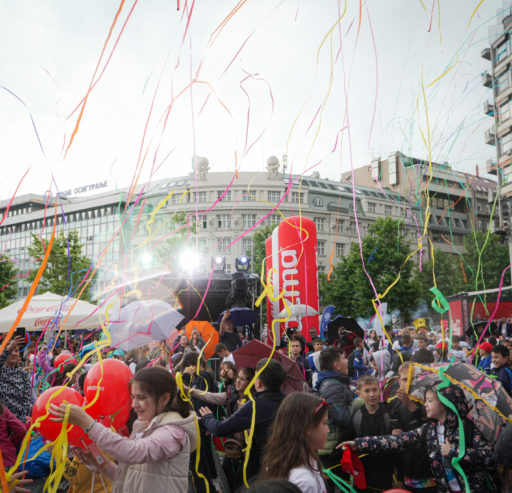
15 381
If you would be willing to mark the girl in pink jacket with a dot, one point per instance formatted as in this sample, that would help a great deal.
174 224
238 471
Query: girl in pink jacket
156 456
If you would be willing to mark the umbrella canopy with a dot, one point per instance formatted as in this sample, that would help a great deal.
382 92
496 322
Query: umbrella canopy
142 322
298 312
349 324
208 333
241 316
48 308
251 353
490 406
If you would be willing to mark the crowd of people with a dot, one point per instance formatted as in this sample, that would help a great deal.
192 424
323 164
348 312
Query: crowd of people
200 425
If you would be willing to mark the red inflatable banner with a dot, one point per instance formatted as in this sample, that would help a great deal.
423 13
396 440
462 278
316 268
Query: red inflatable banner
292 254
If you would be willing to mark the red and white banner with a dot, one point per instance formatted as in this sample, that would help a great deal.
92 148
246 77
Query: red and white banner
292 254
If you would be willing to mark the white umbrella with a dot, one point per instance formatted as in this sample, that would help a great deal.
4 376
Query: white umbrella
298 312
49 308
142 322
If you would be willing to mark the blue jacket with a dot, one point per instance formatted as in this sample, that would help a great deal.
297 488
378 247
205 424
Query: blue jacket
485 364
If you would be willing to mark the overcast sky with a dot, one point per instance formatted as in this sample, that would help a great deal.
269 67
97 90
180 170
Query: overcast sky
244 81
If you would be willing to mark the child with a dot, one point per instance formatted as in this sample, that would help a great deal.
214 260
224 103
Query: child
371 419
300 422
457 352
302 363
500 362
381 364
156 456
406 416
484 350
441 437
356 360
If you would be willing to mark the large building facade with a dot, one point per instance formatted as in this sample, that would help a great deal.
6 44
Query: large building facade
499 108
125 232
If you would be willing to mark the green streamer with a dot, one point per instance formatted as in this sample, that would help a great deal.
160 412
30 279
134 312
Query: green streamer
445 382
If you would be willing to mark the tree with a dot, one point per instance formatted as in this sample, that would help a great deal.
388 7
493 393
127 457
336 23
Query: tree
483 270
384 250
259 247
8 281
66 265
259 254
456 274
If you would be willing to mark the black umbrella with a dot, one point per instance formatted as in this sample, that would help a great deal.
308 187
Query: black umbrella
349 325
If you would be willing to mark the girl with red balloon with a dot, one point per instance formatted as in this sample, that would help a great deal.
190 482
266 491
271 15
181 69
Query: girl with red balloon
156 455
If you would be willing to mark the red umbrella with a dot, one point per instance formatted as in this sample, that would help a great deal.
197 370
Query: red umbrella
255 350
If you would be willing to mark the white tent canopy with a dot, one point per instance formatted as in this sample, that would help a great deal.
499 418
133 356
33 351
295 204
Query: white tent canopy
48 307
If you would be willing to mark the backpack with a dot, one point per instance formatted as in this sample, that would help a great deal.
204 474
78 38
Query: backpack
358 417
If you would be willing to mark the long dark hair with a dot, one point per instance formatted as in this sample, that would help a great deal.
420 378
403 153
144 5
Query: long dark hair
295 415
157 381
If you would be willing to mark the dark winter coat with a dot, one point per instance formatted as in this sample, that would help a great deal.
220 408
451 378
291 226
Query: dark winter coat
477 462
267 403
335 389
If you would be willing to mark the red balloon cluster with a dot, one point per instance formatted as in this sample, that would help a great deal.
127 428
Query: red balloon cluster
108 381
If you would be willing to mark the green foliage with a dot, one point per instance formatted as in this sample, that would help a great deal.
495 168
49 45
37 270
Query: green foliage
8 281
64 270
259 254
456 274
259 249
384 250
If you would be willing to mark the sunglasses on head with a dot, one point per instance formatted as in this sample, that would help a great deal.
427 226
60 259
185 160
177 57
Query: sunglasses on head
320 406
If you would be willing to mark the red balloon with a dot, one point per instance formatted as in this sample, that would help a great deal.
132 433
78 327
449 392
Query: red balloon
114 389
50 430
63 359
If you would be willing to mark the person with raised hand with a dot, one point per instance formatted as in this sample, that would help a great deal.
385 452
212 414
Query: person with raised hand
156 456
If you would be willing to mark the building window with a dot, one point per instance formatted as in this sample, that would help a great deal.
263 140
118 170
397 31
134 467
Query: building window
351 228
321 248
227 196
503 82
502 52
504 111
319 223
203 222
340 249
338 226
202 245
248 220
273 219
317 202
200 197
222 246
321 268
247 244
505 144
372 207
297 197
388 210
249 196
223 221
274 196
